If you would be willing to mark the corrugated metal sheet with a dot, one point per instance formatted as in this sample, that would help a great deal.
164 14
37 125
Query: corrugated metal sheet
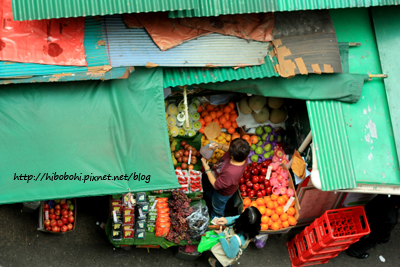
331 145
209 8
96 55
114 73
188 76
49 9
134 47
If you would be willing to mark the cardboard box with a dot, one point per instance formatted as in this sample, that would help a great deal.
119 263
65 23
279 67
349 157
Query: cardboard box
296 206
41 219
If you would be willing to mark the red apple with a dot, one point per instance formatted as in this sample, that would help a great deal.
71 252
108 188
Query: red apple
268 189
267 183
243 194
256 186
264 164
243 187
251 194
259 194
241 181
263 192
246 175
262 186
263 171
249 184
254 164
254 172
255 179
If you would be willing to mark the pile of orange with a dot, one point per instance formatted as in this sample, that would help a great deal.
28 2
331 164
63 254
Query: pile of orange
271 209
251 139
224 115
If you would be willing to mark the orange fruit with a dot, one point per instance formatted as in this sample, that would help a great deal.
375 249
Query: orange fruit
207 123
254 139
219 113
213 114
202 122
216 109
285 197
267 198
275 217
246 137
279 210
234 124
291 220
281 201
226 116
227 109
264 226
232 118
285 224
201 129
264 219
208 118
253 204
260 202
230 130
204 113
291 211
270 205
274 197
279 221
246 201
216 120
231 105
261 209
220 125
292 205
284 217
270 222
233 112
222 120
275 226
235 135
276 204
227 125
268 212
200 109
210 107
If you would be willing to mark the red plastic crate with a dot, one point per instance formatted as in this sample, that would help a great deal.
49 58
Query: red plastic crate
297 260
308 252
341 226
314 241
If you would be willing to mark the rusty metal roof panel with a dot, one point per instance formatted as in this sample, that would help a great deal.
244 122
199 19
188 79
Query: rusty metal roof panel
50 9
96 55
134 47
209 8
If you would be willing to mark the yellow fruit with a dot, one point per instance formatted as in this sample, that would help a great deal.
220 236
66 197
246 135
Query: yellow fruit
220 138
223 135
206 142
228 137
214 161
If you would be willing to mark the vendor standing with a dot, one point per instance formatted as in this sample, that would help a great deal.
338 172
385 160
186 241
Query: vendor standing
226 173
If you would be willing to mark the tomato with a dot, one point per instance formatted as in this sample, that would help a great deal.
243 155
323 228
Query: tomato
64 212
70 213
251 194
262 186
256 186
243 194
246 175
55 229
254 171
65 206
57 207
64 220
60 223
183 143
51 211
255 179
58 217
57 212
48 228
249 184
52 216
70 226
47 223
259 194
46 206
71 219
241 181
64 228
243 188
53 223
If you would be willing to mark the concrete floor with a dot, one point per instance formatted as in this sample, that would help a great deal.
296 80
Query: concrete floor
22 245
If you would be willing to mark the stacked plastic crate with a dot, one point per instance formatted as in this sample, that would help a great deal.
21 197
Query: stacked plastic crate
327 236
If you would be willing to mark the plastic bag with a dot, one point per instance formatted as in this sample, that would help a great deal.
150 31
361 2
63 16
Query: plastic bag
198 221
206 151
208 241
261 240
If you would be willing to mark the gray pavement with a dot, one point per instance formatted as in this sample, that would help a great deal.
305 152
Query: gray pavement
22 245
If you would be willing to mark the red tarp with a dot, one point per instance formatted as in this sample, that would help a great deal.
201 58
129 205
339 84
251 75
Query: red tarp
257 27
55 41
132 22
166 32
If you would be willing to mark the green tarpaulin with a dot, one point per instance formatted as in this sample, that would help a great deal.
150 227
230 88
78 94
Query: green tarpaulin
342 87
107 130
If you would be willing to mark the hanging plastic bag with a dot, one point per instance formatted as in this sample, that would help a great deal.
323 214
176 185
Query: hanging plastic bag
207 151
198 221
261 240
208 240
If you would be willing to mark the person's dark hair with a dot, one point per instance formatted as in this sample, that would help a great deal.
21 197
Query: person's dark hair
239 149
249 223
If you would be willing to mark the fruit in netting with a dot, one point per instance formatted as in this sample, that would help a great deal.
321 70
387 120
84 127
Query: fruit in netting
290 192
254 158
275 166
253 147
285 183
273 182
276 190
283 190
285 174
258 150
279 153
262 116
275 159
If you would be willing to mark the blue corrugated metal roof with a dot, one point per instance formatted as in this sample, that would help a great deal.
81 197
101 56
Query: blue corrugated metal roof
134 47
96 55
